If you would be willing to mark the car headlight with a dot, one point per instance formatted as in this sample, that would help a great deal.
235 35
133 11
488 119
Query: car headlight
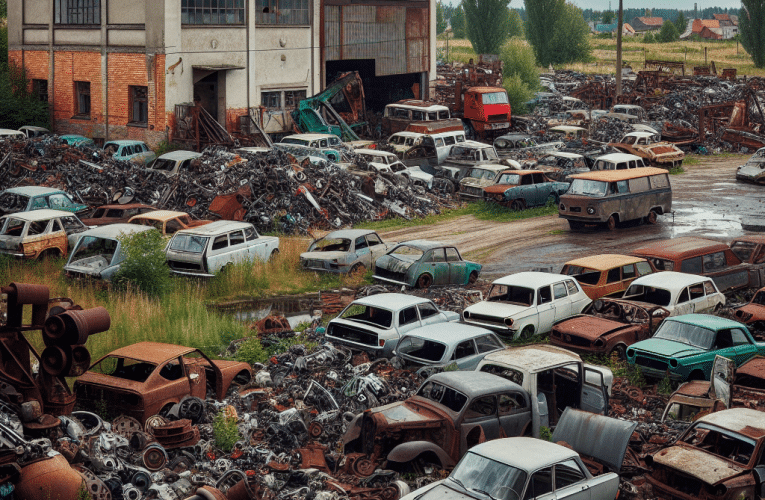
673 363
509 321
562 207
630 353
466 314
598 343
591 210
743 316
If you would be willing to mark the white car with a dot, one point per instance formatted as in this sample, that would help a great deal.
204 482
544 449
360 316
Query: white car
528 303
344 251
680 293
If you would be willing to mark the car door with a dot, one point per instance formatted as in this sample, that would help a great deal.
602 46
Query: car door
594 394
540 485
363 253
699 300
570 481
408 319
545 309
482 411
376 248
466 355
177 381
561 301
434 263
429 314
743 347
216 257
683 304
238 251
514 413
457 267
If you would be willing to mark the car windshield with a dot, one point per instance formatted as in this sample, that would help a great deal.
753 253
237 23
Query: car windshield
583 275
489 478
692 335
293 140
406 253
743 249
331 245
11 202
479 173
494 98
361 313
513 179
588 188
125 368
720 442
95 249
163 164
454 400
759 298
511 294
421 349
650 294
189 243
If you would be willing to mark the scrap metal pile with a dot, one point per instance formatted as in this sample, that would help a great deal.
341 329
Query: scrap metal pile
257 188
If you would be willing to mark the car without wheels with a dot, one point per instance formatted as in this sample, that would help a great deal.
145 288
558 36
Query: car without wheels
39 233
422 263
344 251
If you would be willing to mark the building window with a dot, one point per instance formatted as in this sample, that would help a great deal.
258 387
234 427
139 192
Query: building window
282 12
271 100
139 105
82 89
281 99
77 11
40 89
212 12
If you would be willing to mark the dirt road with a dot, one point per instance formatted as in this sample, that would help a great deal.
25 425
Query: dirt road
707 202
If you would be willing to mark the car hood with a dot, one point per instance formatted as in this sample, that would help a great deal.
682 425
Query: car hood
757 311
752 170
442 492
323 255
666 348
697 463
471 182
589 327
407 412
497 309
393 264
499 188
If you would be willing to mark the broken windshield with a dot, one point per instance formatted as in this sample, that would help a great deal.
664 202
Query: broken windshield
511 294
721 442
445 395
588 188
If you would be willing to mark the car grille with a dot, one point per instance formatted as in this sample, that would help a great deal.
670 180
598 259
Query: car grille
314 263
184 266
486 319
391 275
684 483
498 118
575 209
576 341
472 191
351 334
651 363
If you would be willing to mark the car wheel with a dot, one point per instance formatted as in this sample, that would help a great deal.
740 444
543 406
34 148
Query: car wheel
274 255
358 269
620 352
517 205
575 224
652 217
424 281
472 278
611 223
527 332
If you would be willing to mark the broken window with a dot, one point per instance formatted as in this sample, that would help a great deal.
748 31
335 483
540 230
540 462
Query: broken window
139 106
212 12
77 11
82 90
40 89
293 12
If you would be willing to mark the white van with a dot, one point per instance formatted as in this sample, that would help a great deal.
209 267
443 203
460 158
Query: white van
399 115
404 141
618 161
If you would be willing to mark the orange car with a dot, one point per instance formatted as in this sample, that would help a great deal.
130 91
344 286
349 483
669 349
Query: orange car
167 222
606 274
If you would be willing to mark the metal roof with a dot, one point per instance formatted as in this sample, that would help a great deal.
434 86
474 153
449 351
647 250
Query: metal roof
639 133
391 301
215 228
180 155
707 321
531 279
153 352
423 245
114 230
681 247
564 154
310 137
160 215
742 420
670 280
41 214
533 358
619 157
447 332
619 175
604 261
490 167
33 190
470 383
376 152
524 453
124 142
473 144
566 128
417 104
348 233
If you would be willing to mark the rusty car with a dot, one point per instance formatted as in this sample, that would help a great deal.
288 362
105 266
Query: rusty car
559 165
98 253
24 199
754 168
753 313
465 155
398 115
450 413
167 222
607 327
172 163
479 177
147 378
116 214
700 256
520 189
651 149
606 274
39 233
720 456
613 196
345 251
749 249
512 145
517 468
422 263
529 303
375 324
679 293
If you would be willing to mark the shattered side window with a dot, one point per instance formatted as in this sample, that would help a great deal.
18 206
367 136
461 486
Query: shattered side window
743 249
13 227
507 373
331 245
441 394
164 164
125 368
721 442
94 247
511 294
189 243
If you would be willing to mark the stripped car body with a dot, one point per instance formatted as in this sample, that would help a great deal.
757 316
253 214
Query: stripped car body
652 149
559 165
753 313
24 199
116 214
422 263
479 177
606 274
618 161
679 293
720 457
467 154
142 379
39 233
347 250
167 222
98 253
512 145
375 324
133 151
173 163
754 169
608 327
520 189
451 412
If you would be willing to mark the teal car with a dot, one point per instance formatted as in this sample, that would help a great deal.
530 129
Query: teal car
134 151
520 189
78 141
684 347
24 199
422 263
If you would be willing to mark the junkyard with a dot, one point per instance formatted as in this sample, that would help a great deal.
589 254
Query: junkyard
347 266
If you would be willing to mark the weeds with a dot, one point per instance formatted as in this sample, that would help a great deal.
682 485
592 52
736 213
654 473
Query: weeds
225 431
545 434
664 386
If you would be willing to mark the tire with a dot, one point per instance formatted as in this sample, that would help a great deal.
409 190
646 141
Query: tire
652 217
517 205
357 269
274 255
620 351
575 224
424 281
526 333
611 223
472 278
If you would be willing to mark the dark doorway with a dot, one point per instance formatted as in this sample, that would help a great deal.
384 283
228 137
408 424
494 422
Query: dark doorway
379 90
206 93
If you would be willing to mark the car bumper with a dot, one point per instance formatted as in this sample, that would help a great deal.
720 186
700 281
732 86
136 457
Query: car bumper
13 254
193 273
495 327
389 280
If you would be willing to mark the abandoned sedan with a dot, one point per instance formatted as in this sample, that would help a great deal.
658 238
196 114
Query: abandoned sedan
116 214
684 347
345 251
525 304
24 199
422 263
608 327
679 293
520 189
480 177
652 149
146 378
39 233
98 253
375 324
451 413
167 222
754 169
719 457
606 274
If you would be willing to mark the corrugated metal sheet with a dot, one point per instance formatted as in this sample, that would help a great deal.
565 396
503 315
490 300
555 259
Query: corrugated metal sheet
379 33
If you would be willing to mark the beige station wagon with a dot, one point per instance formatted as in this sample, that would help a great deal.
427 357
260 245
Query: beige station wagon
39 233
612 196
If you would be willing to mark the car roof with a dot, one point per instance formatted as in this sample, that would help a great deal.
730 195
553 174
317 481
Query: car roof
533 358
670 280
33 190
406 133
513 137
742 420
41 214
639 133
424 244
310 137
180 155
448 333
605 261
10 131
525 453
617 157
34 128
161 215
567 128
378 152
564 154
349 233
114 230
707 321
685 246
751 238
490 166
473 144
391 301
472 382
619 175
418 104
126 206
535 277
215 228
153 352
124 142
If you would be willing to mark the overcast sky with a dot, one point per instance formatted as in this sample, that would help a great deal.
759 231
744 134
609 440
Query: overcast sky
642 4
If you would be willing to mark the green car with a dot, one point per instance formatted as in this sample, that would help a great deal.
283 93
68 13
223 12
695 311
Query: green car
684 347
421 263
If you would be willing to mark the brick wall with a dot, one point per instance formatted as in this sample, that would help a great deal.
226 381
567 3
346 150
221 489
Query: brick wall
71 67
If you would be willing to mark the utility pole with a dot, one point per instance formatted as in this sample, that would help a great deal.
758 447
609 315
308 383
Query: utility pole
619 51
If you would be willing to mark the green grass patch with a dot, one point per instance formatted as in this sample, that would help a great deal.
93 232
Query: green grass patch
676 171
691 160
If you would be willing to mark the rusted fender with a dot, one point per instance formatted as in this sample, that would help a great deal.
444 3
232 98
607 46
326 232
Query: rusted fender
406 452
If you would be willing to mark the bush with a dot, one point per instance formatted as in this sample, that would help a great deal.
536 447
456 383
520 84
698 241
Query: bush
518 59
668 33
649 38
251 351
518 94
144 266
165 147
225 431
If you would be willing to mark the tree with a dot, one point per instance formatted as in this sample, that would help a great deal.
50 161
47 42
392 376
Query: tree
3 8
458 22
440 18
668 33
570 37
681 23
608 17
487 24
751 26
515 24
20 106
542 18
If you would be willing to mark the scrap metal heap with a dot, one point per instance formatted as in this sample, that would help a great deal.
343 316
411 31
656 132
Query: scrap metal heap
257 187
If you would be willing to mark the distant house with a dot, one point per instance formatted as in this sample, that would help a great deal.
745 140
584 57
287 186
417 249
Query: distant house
643 24
700 24
611 28
726 20
711 33
716 29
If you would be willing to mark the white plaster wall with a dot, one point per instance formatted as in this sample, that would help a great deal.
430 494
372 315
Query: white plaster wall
127 38
36 36
77 36
125 11
36 11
